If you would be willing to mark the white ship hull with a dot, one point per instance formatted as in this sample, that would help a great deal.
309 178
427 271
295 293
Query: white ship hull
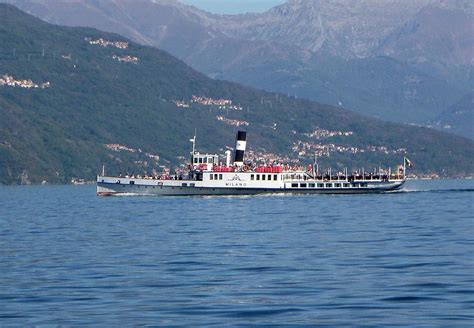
107 186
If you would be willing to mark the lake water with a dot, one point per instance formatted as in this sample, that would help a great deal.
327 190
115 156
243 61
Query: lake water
69 258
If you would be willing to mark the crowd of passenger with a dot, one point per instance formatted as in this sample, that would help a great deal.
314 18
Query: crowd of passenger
308 174
164 176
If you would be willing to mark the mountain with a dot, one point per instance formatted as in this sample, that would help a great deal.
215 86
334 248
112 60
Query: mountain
72 99
350 29
366 28
404 61
459 116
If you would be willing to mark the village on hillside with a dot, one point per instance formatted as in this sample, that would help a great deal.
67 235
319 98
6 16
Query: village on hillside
105 43
8 80
115 44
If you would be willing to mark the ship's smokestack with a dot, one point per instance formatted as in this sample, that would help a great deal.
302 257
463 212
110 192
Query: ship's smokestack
240 145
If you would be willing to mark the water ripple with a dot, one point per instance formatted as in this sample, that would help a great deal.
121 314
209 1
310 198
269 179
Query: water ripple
69 258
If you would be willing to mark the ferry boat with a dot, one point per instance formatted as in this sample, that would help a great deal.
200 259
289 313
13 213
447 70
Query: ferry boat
207 175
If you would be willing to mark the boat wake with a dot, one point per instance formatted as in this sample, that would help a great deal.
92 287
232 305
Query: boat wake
433 190
129 194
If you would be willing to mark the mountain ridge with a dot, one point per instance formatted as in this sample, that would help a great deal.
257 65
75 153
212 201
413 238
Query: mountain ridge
73 99
276 50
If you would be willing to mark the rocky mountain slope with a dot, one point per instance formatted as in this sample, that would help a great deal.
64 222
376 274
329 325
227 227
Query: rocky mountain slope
365 28
459 117
348 29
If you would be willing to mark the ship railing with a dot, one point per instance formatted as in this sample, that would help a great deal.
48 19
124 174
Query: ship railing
341 178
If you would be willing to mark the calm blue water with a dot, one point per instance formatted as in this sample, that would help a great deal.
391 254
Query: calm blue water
71 258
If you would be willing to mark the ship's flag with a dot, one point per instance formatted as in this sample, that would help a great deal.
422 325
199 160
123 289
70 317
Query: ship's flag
408 162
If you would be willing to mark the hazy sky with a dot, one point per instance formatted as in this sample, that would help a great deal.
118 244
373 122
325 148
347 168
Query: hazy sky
234 6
